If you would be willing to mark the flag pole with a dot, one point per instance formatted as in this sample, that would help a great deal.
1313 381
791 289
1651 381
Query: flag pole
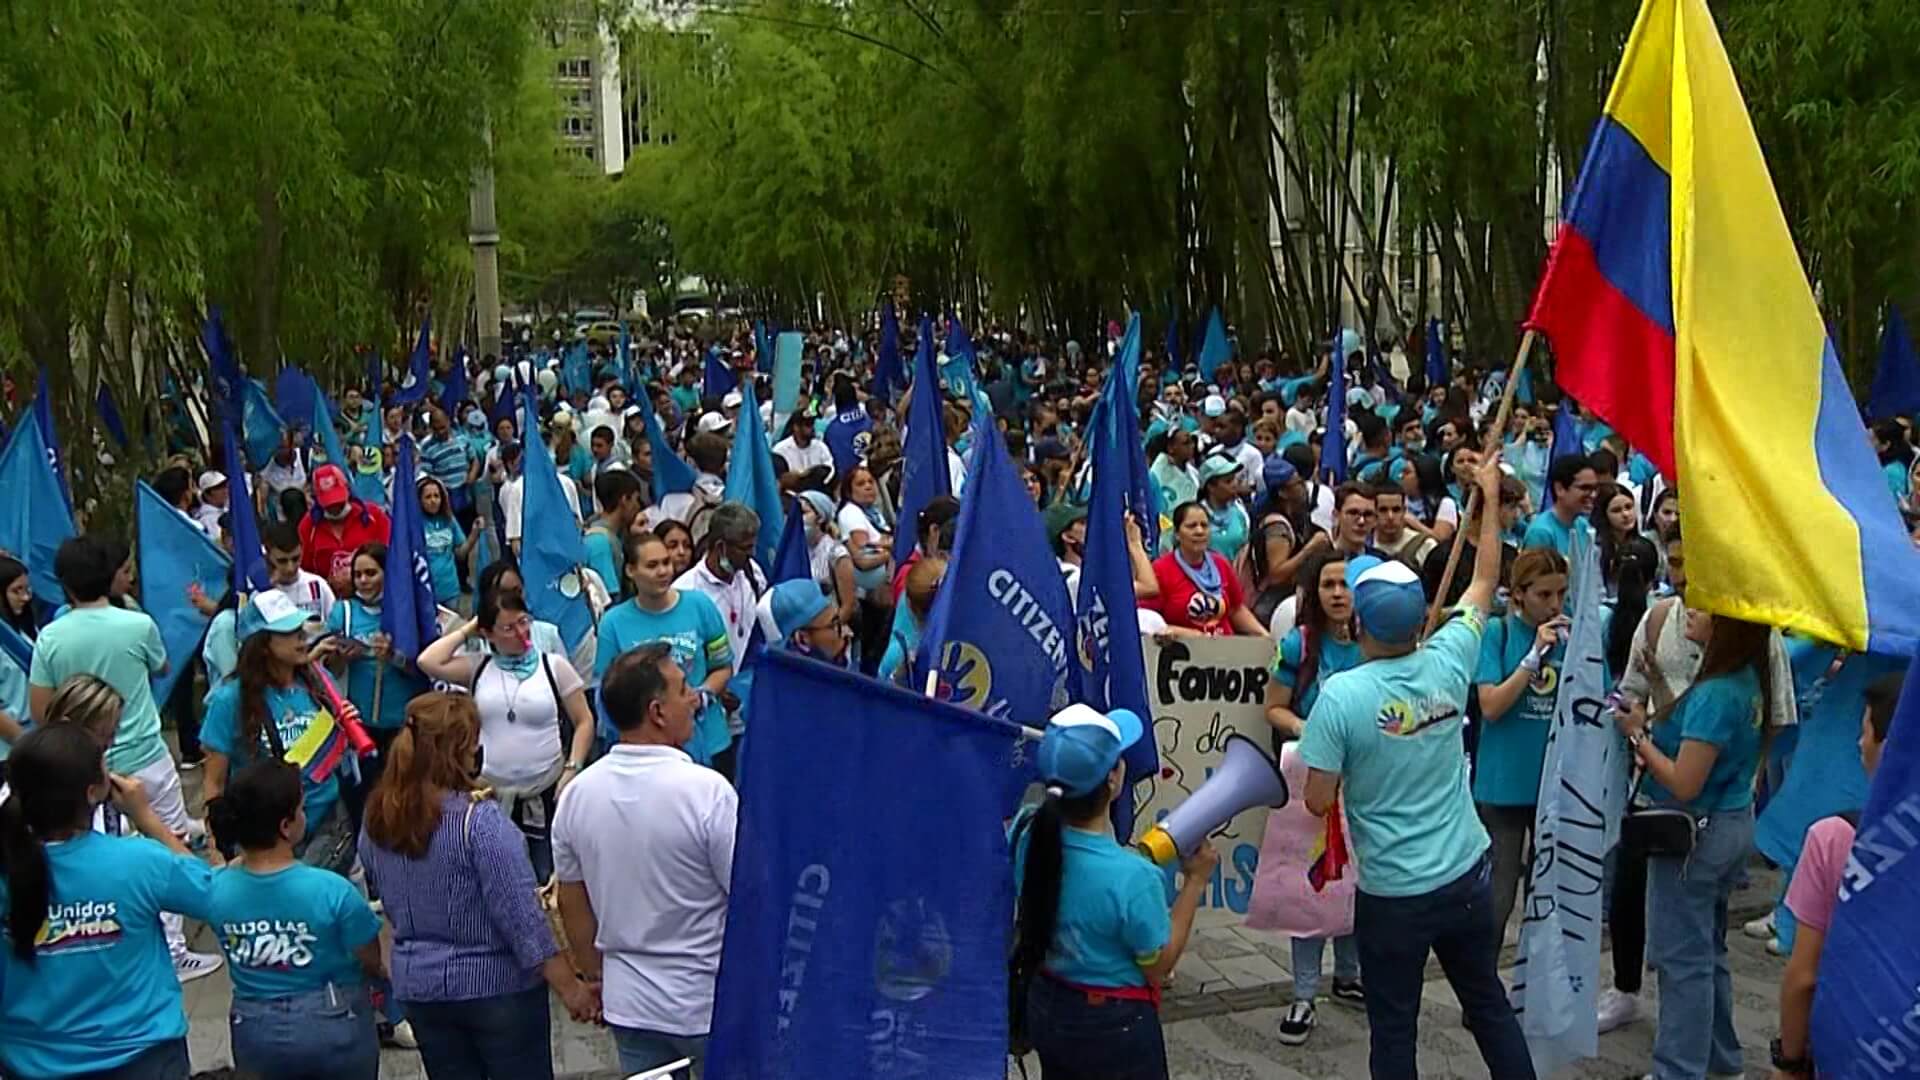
1473 495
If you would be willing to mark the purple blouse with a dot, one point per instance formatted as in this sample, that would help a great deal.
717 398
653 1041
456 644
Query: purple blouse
466 923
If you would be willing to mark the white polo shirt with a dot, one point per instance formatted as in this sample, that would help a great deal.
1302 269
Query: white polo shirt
650 834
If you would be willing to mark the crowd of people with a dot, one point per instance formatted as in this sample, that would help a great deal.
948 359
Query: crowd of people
539 818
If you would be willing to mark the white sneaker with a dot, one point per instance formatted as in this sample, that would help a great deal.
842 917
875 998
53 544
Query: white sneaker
1759 929
1617 1010
189 966
1776 947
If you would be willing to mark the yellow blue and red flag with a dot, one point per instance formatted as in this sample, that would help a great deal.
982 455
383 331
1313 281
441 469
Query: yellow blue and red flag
1679 311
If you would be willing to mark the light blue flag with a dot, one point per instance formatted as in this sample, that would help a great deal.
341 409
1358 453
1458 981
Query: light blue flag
786 375
419 378
998 634
671 473
34 519
764 349
263 426
294 392
552 553
408 613
1214 349
750 477
1141 492
1583 791
628 379
880 960
174 556
923 464
43 418
576 371
325 433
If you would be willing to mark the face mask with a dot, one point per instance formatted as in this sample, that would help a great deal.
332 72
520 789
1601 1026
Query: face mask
476 419
963 444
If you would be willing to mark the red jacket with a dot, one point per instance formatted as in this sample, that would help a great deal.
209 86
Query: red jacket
327 548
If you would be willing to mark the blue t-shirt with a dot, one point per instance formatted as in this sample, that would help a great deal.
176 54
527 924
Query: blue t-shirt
1546 531
13 697
295 714
604 556
290 930
1230 527
1335 656
697 634
352 618
903 640
446 461
444 537
1391 729
1113 910
101 991
1723 711
1896 477
1514 748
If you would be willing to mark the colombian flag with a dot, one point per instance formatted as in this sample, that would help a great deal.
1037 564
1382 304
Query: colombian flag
1679 312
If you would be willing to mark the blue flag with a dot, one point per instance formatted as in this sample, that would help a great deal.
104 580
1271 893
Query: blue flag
1896 383
174 556
43 419
1566 443
923 464
408 613
1333 445
294 392
628 378
225 369
1438 370
1114 674
34 519
454 390
1871 960
1523 386
879 960
764 349
325 433
16 647
671 473
109 411
249 559
552 554
576 370
787 351
419 378
720 379
998 633
792 560
262 424
1141 492
750 477
1214 349
957 372
887 376
848 438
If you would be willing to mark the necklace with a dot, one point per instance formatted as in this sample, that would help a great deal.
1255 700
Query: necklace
513 700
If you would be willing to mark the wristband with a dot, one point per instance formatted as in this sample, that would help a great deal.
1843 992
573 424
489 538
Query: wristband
1533 662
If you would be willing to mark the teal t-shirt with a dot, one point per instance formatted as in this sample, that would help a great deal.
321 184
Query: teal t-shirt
222 649
444 537
604 557
101 990
1896 477
1230 527
697 634
124 649
354 618
13 697
290 930
903 640
1513 748
294 712
1335 656
1391 729
1113 909
1546 531
1725 712
685 398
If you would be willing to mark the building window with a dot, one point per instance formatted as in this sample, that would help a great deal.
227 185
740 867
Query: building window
576 69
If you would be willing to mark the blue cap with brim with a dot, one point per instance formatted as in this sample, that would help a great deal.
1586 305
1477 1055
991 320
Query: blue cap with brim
794 604
1217 465
269 612
1387 599
1082 745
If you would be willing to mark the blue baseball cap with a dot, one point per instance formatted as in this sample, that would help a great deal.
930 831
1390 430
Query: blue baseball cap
1387 599
1277 473
794 604
269 612
1082 745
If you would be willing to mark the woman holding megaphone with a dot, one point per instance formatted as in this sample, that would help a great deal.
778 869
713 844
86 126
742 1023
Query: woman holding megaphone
1094 940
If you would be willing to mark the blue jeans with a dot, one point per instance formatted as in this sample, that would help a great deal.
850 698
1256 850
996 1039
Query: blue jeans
161 1061
318 1035
1455 923
641 1050
1307 954
1083 1037
507 1037
1687 945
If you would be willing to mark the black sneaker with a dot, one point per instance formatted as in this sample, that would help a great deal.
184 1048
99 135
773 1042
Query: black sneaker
1297 1024
1350 992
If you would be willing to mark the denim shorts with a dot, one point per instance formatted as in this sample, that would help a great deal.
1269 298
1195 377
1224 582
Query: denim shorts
324 1033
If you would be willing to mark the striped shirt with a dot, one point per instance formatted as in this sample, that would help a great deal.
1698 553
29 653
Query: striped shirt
466 924
446 461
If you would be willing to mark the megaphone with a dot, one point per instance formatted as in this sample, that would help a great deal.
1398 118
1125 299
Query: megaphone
1247 777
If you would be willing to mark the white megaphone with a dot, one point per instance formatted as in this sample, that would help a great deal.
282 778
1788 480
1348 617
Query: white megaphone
1246 778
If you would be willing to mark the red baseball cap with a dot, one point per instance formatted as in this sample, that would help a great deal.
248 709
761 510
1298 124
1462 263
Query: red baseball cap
329 485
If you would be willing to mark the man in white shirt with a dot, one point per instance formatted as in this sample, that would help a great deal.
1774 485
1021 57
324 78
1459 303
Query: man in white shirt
513 493
308 591
643 851
803 453
728 575
213 502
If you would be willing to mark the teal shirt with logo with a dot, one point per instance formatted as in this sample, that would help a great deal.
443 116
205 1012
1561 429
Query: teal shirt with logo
693 629
1514 748
289 930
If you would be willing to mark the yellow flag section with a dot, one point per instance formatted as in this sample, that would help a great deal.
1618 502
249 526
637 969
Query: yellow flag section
1787 518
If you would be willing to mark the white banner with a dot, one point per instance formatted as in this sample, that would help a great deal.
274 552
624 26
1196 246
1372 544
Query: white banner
1576 820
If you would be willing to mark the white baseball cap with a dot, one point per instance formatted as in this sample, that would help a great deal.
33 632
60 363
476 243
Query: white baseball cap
211 479
714 422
